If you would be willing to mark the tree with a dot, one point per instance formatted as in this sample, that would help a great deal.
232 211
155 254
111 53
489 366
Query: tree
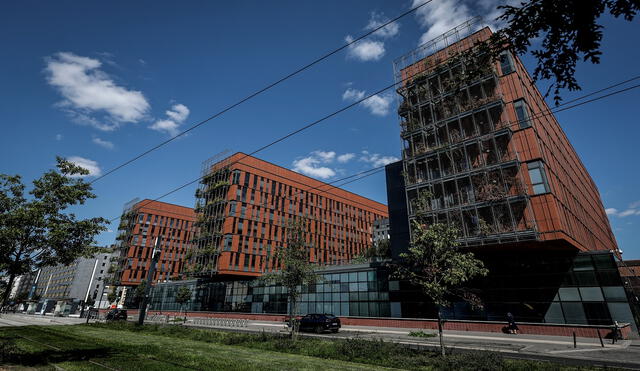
182 297
138 293
112 295
295 270
435 265
568 29
380 249
90 301
39 231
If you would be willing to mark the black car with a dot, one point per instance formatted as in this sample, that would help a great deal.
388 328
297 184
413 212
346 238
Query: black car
320 323
116 315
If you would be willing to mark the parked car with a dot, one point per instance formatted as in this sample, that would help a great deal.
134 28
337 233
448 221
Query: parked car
116 315
320 323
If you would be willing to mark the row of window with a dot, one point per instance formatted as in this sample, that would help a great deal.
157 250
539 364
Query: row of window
307 198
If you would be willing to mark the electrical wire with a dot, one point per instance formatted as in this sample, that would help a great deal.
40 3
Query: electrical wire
260 91
542 114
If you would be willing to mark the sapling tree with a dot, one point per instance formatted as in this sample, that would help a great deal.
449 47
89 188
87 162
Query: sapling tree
182 297
436 265
37 229
295 269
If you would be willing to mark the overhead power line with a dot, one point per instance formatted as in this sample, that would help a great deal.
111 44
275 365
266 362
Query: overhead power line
541 114
260 91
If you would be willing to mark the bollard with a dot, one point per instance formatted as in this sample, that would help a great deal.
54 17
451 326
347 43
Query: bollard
575 344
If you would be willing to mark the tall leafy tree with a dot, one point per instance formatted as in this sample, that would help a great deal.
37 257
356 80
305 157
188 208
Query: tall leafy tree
436 265
37 229
295 269
567 31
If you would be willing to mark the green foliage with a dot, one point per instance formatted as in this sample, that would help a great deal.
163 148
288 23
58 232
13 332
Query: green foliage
90 301
422 202
369 352
568 30
183 295
422 334
435 264
295 267
112 295
37 230
138 293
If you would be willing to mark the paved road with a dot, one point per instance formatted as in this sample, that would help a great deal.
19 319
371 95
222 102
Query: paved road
624 354
11 319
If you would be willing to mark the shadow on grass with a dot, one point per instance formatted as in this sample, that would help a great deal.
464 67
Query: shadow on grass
12 354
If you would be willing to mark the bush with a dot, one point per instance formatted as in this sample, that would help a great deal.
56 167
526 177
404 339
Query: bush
376 352
422 334
472 361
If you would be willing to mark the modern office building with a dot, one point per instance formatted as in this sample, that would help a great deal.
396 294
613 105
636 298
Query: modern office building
143 222
381 230
77 282
630 273
498 166
22 286
479 137
244 205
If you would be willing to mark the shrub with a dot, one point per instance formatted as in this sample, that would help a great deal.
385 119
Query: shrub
422 334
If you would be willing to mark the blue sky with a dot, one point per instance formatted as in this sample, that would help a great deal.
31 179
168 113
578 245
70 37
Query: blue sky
102 81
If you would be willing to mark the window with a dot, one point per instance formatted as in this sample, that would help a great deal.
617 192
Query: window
522 113
506 63
236 177
538 178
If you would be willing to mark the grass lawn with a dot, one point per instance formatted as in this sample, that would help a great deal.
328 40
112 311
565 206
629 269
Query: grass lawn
153 347
92 348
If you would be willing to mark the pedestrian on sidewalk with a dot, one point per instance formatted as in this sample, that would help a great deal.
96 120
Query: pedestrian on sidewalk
511 324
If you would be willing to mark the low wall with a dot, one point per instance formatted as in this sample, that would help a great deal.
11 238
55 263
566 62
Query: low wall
589 331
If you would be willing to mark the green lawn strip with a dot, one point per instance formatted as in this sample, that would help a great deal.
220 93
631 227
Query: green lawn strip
138 351
354 350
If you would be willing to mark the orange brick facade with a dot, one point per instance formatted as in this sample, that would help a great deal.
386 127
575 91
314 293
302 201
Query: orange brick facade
569 212
243 212
139 227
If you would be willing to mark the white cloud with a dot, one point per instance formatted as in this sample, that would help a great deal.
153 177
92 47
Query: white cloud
102 143
311 166
611 211
377 159
366 49
628 212
378 104
440 16
92 166
176 116
372 47
325 156
346 157
633 209
87 91
59 137
353 94
377 20
316 164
